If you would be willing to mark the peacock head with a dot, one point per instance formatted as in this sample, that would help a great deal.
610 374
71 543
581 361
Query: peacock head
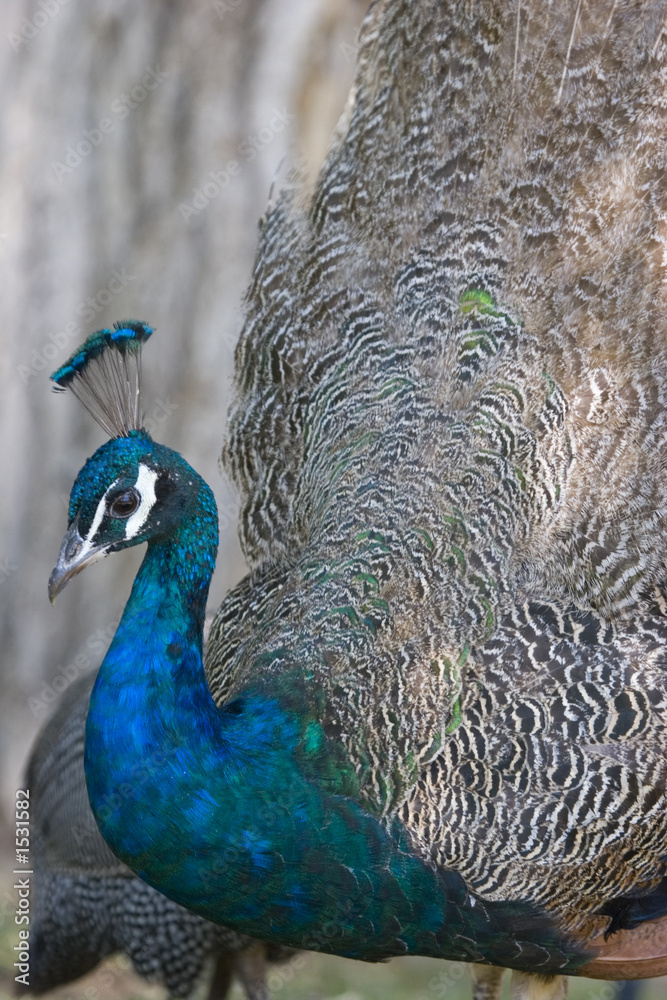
132 489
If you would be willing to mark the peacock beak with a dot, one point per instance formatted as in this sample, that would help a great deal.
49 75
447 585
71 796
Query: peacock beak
75 554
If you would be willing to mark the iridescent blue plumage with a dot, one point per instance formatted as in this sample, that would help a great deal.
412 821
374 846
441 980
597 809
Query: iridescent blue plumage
237 812
245 813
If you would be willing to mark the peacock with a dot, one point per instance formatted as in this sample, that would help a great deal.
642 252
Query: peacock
86 905
432 717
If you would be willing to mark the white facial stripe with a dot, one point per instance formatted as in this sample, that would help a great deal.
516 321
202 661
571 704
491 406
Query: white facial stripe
97 520
145 485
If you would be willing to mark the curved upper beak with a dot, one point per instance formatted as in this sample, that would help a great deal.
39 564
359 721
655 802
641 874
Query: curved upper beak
75 554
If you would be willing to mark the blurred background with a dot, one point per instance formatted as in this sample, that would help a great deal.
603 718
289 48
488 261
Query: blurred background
140 141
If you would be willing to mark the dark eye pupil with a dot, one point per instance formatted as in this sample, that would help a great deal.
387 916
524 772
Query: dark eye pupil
125 504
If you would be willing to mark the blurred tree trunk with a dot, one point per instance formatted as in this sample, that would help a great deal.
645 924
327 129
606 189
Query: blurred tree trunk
138 144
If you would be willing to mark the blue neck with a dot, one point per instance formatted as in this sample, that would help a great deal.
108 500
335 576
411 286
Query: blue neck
239 814
151 706
157 648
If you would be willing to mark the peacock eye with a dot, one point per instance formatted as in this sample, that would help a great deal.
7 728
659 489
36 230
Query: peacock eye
125 503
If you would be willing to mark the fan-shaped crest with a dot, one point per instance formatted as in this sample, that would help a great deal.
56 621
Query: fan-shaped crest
105 375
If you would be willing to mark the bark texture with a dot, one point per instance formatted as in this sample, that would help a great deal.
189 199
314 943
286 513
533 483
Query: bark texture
139 142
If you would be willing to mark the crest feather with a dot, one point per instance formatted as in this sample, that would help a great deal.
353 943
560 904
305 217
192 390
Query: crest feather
105 375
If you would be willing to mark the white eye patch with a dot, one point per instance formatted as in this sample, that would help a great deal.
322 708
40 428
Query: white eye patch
145 487
87 543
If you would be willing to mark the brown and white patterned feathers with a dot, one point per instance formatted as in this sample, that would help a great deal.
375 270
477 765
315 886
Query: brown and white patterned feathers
450 442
